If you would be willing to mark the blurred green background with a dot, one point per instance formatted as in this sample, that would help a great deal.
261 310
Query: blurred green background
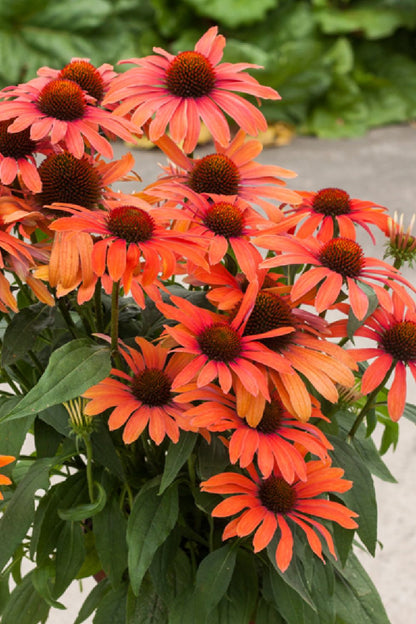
341 66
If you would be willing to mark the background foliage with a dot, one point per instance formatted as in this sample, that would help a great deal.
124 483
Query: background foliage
341 66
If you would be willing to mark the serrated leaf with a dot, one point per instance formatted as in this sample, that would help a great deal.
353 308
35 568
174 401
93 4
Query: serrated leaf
176 456
25 605
72 369
18 516
18 337
151 520
361 497
86 510
110 540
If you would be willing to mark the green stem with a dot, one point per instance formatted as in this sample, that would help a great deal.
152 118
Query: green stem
98 307
67 317
90 480
369 404
114 322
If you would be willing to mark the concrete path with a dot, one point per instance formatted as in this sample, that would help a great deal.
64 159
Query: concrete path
380 167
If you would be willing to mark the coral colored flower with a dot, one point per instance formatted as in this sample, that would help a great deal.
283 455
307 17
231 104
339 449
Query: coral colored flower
336 263
17 156
61 111
81 181
94 80
309 353
231 170
225 221
395 334
219 348
270 504
183 89
143 399
273 441
334 212
4 460
133 238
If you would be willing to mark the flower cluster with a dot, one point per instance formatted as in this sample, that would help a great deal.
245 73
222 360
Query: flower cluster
192 323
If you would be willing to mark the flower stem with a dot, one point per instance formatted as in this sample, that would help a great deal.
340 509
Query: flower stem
369 404
114 322
90 480
98 307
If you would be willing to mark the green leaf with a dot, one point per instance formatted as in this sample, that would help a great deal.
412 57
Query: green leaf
233 13
18 516
353 323
177 455
25 605
266 614
410 412
70 553
356 598
72 369
151 520
12 435
104 451
212 458
361 497
92 601
147 607
112 607
47 439
72 16
86 510
286 601
373 24
110 540
170 569
41 578
240 600
19 335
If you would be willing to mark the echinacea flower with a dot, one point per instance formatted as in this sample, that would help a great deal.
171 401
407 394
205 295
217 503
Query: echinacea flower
333 264
17 156
143 399
273 441
270 504
306 348
395 335
225 222
335 213
94 80
219 348
60 110
130 239
4 460
231 170
402 244
180 90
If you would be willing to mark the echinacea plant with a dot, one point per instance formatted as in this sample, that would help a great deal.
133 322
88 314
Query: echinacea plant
184 413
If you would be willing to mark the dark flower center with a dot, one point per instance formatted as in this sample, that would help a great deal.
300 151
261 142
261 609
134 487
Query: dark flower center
277 495
62 99
152 387
220 342
270 312
190 75
400 341
86 76
69 180
343 256
132 224
273 415
215 173
15 144
224 220
331 202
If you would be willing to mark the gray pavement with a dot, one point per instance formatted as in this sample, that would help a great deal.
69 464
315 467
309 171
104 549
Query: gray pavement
380 167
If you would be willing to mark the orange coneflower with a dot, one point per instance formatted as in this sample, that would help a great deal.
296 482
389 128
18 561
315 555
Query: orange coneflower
17 152
274 440
334 263
183 89
395 334
272 503
306 348
4 460
132 238
144 398
231 170
60 110
334 212
220 350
